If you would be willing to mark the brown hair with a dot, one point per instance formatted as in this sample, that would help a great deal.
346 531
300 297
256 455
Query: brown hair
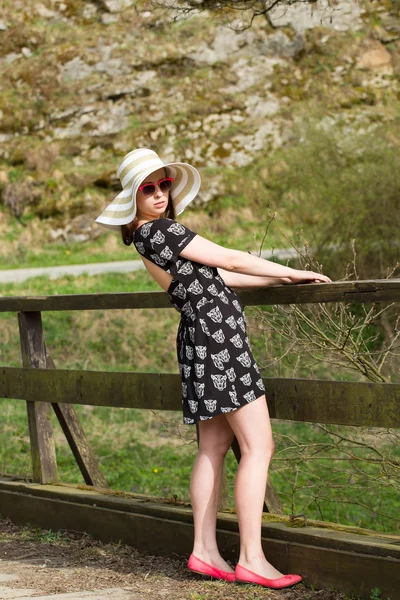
129 229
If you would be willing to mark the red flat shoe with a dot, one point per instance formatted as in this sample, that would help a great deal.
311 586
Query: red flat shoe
199 566
245 576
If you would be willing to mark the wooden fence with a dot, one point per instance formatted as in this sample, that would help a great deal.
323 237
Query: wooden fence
42 386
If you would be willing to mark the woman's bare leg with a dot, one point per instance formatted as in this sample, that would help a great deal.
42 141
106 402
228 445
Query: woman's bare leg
252 428
215 439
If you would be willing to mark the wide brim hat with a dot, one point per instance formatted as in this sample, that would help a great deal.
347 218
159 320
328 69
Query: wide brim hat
135 167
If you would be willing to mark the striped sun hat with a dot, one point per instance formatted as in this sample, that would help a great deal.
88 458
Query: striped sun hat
135 167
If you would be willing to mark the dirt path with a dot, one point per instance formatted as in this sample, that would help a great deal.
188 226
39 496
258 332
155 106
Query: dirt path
122 266
43 564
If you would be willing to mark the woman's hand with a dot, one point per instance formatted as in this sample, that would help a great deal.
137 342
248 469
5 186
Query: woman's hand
299 276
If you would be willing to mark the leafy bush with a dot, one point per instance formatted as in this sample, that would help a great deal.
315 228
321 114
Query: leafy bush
338 186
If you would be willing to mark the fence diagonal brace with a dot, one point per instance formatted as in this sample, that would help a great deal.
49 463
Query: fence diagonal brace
77 440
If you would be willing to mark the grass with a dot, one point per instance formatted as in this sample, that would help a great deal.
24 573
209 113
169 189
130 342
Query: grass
153 452
29 533
228 222
58 254
97 340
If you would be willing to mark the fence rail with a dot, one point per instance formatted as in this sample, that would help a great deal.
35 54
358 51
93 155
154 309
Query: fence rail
374 290
362 404
43 386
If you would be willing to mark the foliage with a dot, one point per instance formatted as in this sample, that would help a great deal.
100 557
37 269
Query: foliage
340 188
361 338
332 464
26 244
376 594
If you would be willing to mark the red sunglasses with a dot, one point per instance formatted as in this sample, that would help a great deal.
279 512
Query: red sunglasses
164 184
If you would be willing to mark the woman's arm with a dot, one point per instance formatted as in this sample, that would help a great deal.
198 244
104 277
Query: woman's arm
201 250
240 281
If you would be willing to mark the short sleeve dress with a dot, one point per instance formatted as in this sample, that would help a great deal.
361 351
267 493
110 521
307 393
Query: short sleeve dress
217 368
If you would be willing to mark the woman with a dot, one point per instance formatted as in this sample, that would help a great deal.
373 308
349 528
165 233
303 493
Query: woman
222 389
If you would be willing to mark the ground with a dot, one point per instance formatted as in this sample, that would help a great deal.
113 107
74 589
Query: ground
37 563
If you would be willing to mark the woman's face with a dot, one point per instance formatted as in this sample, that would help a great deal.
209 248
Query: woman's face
151 207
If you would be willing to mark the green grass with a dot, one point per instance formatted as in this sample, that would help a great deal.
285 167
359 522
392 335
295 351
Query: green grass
229 222
376 594
53 255
30 533
99 339
137 452
153 453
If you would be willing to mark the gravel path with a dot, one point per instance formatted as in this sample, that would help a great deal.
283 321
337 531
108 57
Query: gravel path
123 266
40 564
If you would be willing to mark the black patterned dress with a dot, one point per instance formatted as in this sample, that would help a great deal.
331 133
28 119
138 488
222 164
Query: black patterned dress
216 364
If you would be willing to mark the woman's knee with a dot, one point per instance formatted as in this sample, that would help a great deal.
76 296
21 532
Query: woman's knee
261 452
252 427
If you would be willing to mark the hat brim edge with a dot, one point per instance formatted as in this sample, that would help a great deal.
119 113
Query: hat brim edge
179 208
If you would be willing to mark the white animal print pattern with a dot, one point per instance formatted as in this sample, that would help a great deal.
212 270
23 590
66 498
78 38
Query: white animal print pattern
237 341
199 389
180 291
215 314
166 253
199 370
219 336
195 287
233 395
216 365
246 379
213 289
231 374
189 352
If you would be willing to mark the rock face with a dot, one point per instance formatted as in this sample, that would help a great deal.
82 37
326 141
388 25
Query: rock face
18 195
375 58
339 15
88 82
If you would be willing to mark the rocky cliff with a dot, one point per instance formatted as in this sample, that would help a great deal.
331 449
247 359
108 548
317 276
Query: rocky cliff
85 82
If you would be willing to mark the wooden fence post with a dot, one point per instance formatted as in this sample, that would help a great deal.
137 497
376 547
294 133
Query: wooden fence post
44 464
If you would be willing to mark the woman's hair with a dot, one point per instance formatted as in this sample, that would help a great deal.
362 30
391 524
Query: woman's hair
129 229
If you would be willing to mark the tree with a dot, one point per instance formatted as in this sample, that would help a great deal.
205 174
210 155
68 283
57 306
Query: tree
246 10
227 8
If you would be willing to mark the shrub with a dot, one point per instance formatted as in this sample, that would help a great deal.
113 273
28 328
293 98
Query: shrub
337 187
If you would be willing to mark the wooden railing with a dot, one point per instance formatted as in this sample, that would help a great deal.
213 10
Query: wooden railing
43 386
